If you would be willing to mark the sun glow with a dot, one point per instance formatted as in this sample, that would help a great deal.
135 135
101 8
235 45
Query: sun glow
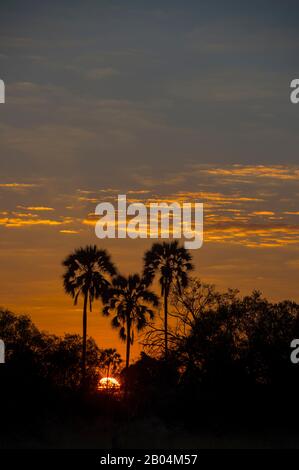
108 383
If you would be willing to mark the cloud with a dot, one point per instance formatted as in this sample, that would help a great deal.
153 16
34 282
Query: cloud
109 190
37 208
69 231
88 199
138 191
18 185
229 37
28 220
281 172
253 236
101 72
20 222
259 214
263 213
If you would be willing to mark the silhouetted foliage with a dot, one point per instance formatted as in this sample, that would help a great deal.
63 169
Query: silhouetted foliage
40 385
87 274
35 355
171 263
110 362
228 364
232 352
152 384
238 339
132 303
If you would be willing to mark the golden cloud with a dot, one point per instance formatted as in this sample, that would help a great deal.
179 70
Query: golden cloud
36 208
30 222
280 172
18 185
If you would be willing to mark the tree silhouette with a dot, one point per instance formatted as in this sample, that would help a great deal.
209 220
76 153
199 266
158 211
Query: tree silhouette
110 361
87 274
172 263
132 302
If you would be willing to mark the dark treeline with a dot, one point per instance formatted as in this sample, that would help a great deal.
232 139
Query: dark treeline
33 357
229 360
212 363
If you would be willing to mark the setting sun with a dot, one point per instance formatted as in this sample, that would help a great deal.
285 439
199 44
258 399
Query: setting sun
149 230
108 383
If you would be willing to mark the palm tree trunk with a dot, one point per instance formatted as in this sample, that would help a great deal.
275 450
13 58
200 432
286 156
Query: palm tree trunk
165 322
128 343
84 339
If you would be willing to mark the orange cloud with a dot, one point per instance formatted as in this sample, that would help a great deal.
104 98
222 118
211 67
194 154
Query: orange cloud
69 231
36 208
260 171
252 235
17 185
28 222
263 213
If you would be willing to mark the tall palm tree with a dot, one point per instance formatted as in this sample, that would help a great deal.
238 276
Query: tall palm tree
87 274
132 302
172 263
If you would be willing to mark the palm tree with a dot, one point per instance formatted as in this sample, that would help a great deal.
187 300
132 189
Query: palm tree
131 301
172 263
110 361
87 274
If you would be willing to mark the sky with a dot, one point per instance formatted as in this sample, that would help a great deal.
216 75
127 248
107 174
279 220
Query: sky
162 101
